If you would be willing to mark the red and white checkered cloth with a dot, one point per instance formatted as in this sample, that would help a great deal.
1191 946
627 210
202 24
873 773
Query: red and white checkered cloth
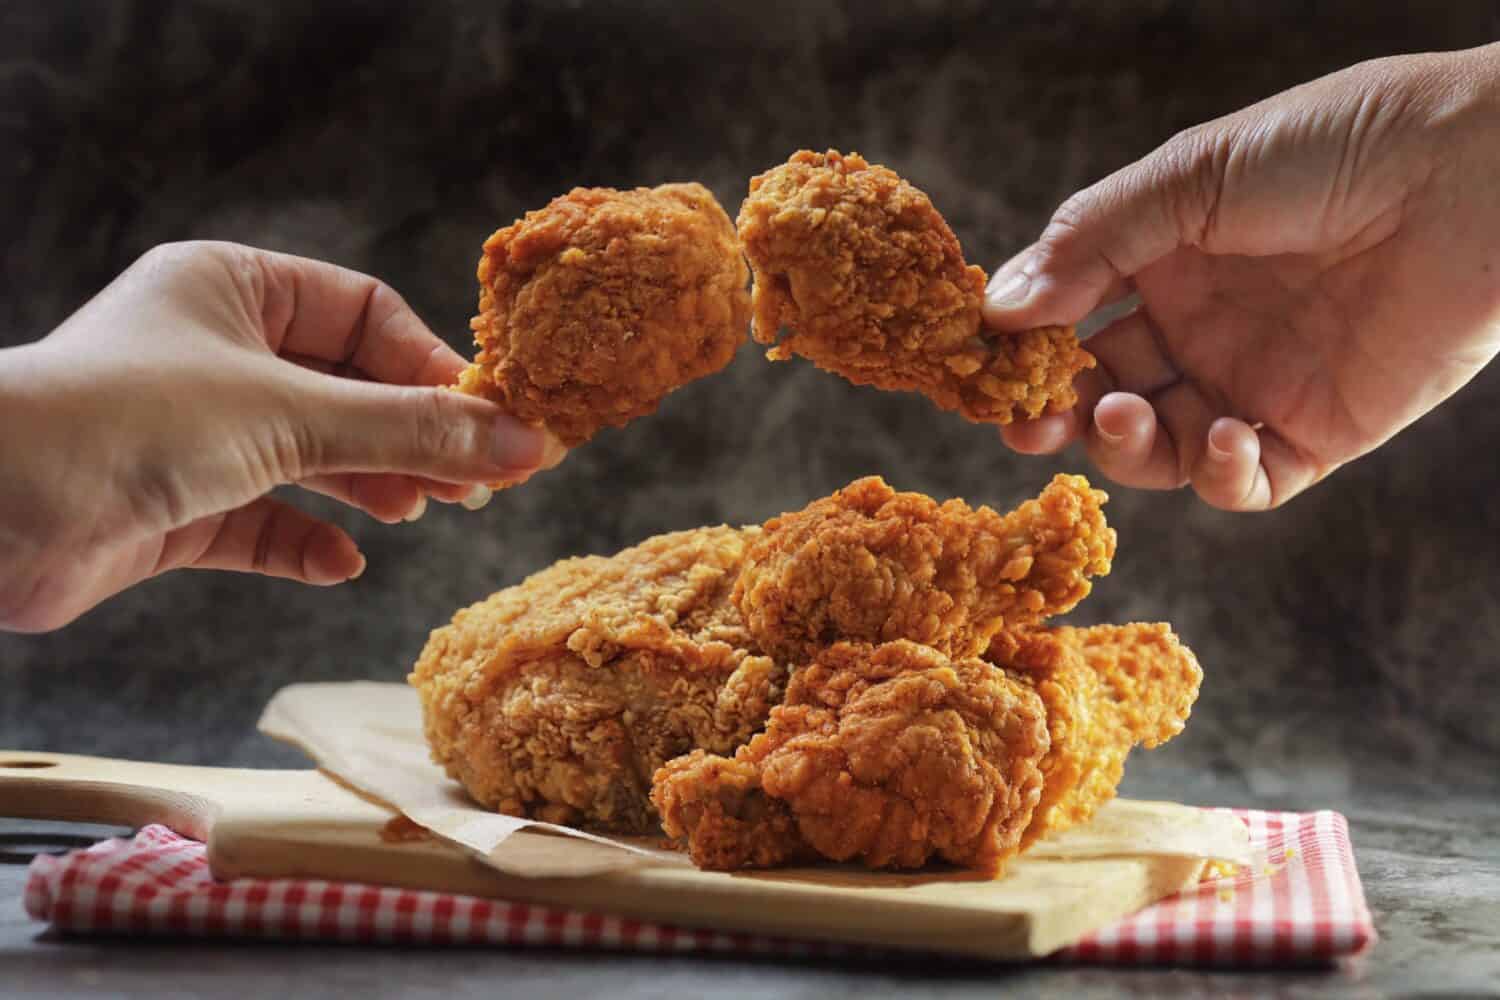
1305 906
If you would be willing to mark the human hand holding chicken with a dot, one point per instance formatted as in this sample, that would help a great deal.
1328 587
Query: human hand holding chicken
146 432
1315 272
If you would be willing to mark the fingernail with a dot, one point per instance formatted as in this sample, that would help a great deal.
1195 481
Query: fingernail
361 571
515 445
1008 290
1216 449
418 509
477 498
1113 440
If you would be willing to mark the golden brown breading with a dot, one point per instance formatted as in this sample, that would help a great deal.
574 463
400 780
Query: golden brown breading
868 564
558 698
594 308
870 283
889 755
715 806
610 691
1107 689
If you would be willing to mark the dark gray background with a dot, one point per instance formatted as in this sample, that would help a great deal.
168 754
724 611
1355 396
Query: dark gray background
1349 640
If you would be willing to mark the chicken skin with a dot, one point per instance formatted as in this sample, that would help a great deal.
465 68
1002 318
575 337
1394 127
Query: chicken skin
1107 689
868 564
893 755
870 283
888 755
594 308
869 679
558 698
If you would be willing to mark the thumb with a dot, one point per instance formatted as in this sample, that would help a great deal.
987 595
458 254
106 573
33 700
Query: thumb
1104 235
354 426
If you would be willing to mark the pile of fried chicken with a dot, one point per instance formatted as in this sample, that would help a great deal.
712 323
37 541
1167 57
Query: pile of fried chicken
869 679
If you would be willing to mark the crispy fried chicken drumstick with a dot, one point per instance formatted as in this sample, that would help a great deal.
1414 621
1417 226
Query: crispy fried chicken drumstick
889 755
872 565
892 755
869 282
594 308
557 699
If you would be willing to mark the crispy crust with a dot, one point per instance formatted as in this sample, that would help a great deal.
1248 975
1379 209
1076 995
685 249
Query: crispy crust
652 686
870 283
887 755
1107 689
872 565
558 698
594 308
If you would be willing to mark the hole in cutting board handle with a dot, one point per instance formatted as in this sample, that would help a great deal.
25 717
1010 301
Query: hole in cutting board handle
30 764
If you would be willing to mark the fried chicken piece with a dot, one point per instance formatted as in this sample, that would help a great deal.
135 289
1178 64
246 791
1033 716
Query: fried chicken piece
1107 689
871 284
716 806
868 564
594 308
890 755
558 698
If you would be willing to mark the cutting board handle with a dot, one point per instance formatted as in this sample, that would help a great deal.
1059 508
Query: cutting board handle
66 787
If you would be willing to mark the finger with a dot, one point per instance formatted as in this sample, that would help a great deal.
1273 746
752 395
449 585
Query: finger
447 492
1134 355
1228 473
1002 285
270 537
1128 444
331 314
321 366
1184 413
1103 236
387 497
1289 470
1042 436
438 434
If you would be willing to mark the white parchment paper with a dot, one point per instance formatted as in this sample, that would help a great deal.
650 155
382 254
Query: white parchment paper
369 735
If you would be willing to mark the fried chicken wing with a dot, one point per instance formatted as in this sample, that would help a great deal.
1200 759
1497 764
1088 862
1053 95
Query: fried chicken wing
1107 689
868 564
889 755
870 283
594 308
558 698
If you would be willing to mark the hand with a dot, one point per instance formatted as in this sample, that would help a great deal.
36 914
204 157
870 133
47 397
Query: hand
1315 272
144 433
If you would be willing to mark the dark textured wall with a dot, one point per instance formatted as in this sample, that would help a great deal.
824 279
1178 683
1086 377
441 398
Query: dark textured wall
1349 639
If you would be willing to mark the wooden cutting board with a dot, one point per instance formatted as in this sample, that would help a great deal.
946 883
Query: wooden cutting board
306 824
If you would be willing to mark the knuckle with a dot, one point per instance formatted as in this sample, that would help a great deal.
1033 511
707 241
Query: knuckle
294 451
1190 169
190 263
443 427
170 258
163 262
386 303
1070 218
385 311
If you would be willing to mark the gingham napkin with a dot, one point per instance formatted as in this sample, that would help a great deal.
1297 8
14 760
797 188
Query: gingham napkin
1306 905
